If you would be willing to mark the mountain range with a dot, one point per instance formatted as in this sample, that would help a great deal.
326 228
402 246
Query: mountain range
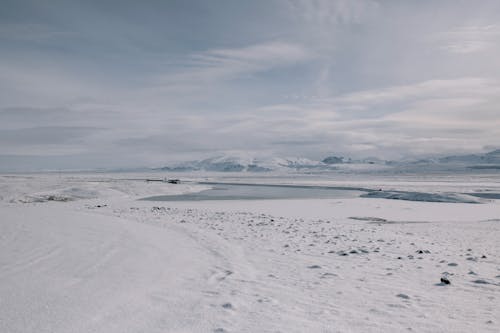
225 163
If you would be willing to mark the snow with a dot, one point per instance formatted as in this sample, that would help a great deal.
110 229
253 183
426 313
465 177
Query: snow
81 253
244 162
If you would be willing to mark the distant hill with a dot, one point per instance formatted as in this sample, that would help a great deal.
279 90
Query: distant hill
228 163
250 164
492 157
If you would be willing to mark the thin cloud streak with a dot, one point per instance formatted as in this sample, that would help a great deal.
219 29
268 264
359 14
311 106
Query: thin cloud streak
218 65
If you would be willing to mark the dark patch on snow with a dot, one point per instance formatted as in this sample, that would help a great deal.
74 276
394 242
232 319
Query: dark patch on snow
419 196
485 195
227 306
481 281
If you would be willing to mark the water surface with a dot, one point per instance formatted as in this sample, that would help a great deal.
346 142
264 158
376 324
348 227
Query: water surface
261 192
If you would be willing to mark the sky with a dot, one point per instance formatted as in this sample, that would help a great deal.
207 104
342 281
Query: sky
107 84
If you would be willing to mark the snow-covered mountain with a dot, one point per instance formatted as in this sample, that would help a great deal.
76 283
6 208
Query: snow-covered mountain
334 160
259 164
454 163
229 163
492 157
244 164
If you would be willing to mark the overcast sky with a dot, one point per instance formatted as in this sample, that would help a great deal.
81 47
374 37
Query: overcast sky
88 84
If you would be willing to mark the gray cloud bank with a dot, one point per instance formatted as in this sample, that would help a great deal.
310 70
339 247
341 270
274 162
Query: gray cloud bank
124 84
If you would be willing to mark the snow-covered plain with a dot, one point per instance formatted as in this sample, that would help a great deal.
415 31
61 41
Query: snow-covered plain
81 253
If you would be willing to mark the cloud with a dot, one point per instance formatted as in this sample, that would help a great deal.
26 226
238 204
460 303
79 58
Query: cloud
21 117
44 82
261 55
30 32
45 135
422 118
217 65
470 38
333 11
54 140
286 77
447 88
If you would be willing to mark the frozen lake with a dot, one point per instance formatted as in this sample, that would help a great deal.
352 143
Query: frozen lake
250 191
262 192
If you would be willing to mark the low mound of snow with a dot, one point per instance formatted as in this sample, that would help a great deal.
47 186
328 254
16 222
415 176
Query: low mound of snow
63 195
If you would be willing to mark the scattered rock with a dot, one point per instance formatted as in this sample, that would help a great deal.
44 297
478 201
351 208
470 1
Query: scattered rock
57 198
227 306
219 330
445 280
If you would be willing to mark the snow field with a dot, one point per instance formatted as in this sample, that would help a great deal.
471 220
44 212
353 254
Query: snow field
101 261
